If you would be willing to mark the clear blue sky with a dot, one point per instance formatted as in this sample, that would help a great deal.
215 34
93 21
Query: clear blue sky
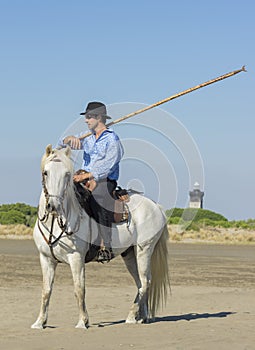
58 55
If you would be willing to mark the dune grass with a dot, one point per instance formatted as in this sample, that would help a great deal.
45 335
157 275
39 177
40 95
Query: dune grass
18 231
209 234
213 235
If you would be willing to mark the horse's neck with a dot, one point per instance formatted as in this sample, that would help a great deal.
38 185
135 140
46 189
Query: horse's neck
71 207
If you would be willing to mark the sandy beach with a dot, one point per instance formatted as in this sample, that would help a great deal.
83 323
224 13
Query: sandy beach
212 303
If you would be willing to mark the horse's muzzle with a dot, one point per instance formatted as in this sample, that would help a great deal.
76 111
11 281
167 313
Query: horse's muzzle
54 206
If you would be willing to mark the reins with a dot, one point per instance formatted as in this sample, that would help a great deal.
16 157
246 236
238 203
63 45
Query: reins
49 241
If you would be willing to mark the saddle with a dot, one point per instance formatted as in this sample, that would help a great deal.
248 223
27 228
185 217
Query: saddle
120 196
121 211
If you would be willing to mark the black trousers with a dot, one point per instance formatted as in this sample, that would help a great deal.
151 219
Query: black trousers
102 206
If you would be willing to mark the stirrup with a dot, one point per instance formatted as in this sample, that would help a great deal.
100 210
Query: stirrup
105 255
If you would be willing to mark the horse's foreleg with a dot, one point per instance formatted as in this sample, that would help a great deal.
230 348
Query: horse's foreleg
48 270
78 272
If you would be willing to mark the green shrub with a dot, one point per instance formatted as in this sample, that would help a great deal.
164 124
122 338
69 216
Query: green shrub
175 212
207 222
173 220
213 223
224 224
242 224
193 227
19 213
12 217
193 214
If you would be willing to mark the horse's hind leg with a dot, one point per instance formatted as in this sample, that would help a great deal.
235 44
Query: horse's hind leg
78 272
129 258
139 310
143 257
48 270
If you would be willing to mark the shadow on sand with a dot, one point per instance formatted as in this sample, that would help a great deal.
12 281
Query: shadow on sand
175 318
191 316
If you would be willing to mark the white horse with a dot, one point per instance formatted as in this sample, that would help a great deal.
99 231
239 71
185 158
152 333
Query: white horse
64 231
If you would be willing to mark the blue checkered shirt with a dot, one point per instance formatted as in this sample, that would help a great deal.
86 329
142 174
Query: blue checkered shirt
102 156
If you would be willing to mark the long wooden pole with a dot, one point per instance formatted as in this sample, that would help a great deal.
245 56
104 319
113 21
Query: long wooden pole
227 75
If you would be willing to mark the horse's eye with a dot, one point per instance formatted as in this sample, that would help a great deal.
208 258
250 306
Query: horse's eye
45 173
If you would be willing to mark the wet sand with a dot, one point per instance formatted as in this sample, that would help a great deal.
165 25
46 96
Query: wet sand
212 303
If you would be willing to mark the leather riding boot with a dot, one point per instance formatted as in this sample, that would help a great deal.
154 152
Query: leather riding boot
106 253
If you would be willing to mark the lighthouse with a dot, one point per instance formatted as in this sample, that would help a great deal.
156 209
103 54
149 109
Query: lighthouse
196 197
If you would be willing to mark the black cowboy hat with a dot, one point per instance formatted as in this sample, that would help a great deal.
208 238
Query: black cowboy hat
96 108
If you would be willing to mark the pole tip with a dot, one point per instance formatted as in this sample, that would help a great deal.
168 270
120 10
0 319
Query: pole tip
243 69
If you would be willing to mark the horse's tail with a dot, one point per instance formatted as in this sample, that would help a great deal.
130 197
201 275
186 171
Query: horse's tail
160 279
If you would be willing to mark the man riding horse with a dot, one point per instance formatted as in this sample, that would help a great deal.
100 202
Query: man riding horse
100 171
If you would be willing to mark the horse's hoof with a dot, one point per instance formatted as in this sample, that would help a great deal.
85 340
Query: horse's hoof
131 321
134 321
82 325
37 326
146 320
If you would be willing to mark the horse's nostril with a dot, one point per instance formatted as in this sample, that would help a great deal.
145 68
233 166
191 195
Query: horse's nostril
48 207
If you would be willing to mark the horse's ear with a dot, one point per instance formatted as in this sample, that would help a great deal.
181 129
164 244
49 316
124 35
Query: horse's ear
68 151
48 150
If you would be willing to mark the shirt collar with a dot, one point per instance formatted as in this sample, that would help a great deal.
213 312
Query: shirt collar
105 131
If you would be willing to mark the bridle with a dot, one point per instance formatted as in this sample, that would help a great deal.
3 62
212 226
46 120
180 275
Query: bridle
55 217
47 195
